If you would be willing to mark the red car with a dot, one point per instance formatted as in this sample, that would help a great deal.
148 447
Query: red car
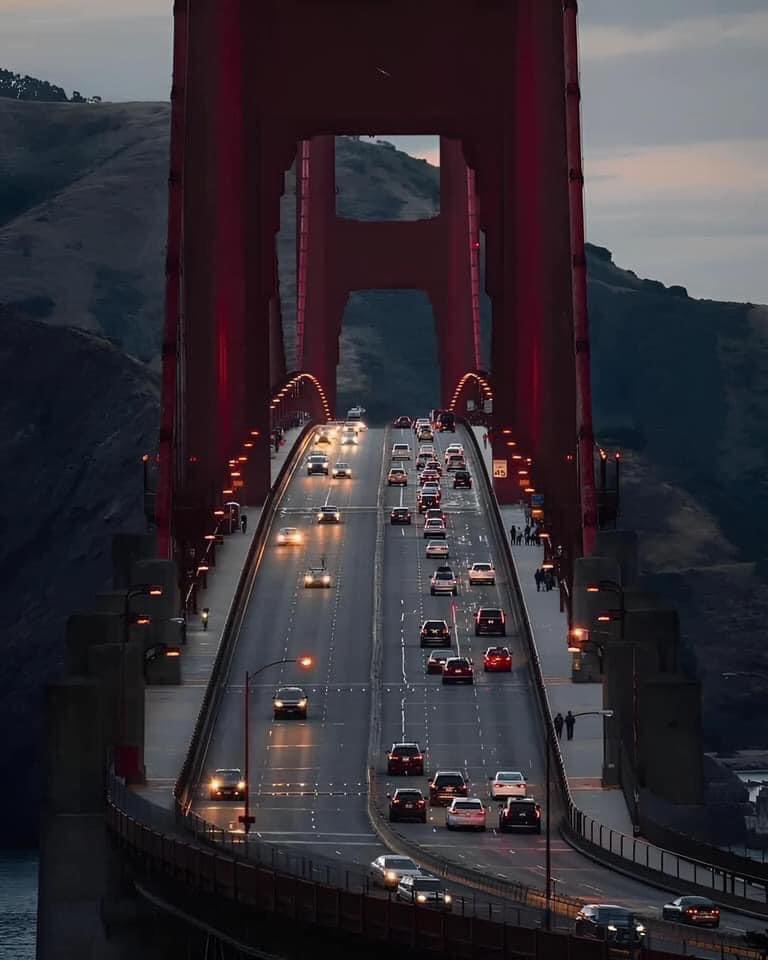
497 660
429 476
405 758
436 662
458 670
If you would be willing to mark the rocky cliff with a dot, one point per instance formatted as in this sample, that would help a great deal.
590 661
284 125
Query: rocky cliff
679 384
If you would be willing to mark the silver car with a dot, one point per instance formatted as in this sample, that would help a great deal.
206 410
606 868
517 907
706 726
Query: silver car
482 573
443 581
388 871
437 548
465 812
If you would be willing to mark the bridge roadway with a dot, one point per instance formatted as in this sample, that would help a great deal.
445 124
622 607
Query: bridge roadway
307 779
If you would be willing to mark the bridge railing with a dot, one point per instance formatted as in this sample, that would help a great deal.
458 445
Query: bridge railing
738 889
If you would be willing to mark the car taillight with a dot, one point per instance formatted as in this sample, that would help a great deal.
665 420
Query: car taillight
538 814
421 802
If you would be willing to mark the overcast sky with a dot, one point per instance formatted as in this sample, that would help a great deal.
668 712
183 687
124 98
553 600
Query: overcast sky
674 117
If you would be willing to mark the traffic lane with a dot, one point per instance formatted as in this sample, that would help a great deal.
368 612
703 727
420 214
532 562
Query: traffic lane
307 620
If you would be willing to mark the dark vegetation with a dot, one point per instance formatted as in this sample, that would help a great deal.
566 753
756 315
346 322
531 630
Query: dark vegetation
680 385
17 87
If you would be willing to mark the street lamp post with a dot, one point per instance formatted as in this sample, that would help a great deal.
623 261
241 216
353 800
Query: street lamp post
245 818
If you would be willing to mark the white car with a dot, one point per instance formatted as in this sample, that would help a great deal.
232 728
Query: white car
482 573
508 783
341 471
437 548
317 577
328 513
434 528
453 450
443 581
466 812
354 412
400 451
388 871
289 535
349 438
427 450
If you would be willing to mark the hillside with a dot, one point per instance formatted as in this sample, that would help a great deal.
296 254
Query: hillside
679 384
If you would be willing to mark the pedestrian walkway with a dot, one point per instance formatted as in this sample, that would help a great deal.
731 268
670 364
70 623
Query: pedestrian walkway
583 755
171 711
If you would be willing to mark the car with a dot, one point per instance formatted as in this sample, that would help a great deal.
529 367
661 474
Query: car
317 463
520 813
428 476
322 436
462 480
427 499
436 661
497 660
425 891
402 422
456 463
453 449
607 921
434 465
400 451
490 620
425 434
429 490
508 783
389 870
404 759
443 580
436 548
328 513
407 805
349 438
397 476
317 577
435 513
227 784
355 413
446 420
428 449
700 911
341 471
422 460
435 633
445 785
357 423
482 572
464 813
434 528
458 670
289 536
420 422
400 515
290 702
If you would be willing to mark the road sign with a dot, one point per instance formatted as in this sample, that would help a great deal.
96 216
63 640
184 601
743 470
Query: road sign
499 469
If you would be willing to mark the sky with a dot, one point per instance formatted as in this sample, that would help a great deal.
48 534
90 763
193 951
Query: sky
674 119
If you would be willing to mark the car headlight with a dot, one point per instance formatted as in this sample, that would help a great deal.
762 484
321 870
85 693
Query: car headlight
447 898
612 928
319 516
337 515
640 928
390 875
303 702
215 784
241 784
421 898
326 579
278 703
308 579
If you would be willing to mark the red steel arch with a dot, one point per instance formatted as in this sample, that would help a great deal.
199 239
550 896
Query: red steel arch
498 82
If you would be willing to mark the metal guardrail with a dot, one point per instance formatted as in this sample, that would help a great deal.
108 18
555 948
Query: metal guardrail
739 891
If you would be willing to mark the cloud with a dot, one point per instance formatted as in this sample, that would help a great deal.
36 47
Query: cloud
695 33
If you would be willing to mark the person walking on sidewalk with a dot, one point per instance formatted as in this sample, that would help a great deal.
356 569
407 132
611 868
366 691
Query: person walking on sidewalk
513 534
558 721
570 723
527 532
243 522
538 577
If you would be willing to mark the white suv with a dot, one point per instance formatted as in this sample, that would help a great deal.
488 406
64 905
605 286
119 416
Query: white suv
400 451
482 573
453 450
434 528
443 581
465 812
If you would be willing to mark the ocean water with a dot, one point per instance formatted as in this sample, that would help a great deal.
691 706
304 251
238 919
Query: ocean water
18 905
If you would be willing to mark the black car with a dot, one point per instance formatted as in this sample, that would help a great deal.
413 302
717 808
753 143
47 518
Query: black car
699 911
445 785
403 422
405 758
435 633
400 515
290 702
520 813
462 479
490 620
407 805
606 921
428 500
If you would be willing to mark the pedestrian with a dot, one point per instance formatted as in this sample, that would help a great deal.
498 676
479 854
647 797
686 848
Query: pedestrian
485 441
243 522
570 723
527 533
520 538
549 581
513 534
277 441
537 578
558 721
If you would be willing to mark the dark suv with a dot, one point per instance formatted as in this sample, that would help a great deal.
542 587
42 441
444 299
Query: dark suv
400 515
445 785
407 805
606 921
435 633
490 620
405 758
462 478
520 813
